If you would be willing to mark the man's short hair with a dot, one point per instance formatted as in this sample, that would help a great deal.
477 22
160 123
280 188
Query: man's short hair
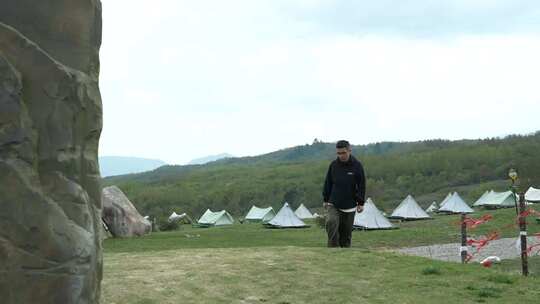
343 144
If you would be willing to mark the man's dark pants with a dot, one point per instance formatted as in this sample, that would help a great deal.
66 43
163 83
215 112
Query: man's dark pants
339 226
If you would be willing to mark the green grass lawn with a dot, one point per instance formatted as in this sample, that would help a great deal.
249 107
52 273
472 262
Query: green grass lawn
514 266
303 275
250 264
442 229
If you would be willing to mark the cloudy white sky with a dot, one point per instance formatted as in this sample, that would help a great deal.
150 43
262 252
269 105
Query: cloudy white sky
185 79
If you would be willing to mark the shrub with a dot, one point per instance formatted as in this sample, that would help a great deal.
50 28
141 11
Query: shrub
489 292
165 225
431 270
501 279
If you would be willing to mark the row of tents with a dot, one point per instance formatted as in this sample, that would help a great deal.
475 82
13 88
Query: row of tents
490 200
452 203
284 218
256 214
371 217
409 209
506 199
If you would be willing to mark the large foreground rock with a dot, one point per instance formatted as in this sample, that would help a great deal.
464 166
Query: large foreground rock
50 123
121 217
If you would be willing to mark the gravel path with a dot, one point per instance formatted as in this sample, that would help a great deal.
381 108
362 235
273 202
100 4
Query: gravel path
503 248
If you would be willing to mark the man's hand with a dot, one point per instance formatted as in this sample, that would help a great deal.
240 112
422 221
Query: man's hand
359 208
326 204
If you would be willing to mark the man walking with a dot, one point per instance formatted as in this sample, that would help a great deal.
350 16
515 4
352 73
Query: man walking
343 194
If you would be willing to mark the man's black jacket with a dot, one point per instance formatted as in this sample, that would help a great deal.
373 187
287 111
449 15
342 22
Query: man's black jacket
345 184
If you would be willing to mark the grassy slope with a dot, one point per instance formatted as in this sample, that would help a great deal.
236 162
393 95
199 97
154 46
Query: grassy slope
250 264
303 275
514 265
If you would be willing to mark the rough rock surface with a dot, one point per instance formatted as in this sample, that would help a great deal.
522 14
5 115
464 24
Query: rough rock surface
50 123
121 217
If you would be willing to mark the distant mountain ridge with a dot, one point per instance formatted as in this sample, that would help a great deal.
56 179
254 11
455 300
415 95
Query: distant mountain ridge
210 158
120 165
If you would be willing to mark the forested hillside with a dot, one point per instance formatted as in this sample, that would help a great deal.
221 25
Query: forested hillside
426 169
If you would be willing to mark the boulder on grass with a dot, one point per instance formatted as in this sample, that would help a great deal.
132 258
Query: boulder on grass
121 217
